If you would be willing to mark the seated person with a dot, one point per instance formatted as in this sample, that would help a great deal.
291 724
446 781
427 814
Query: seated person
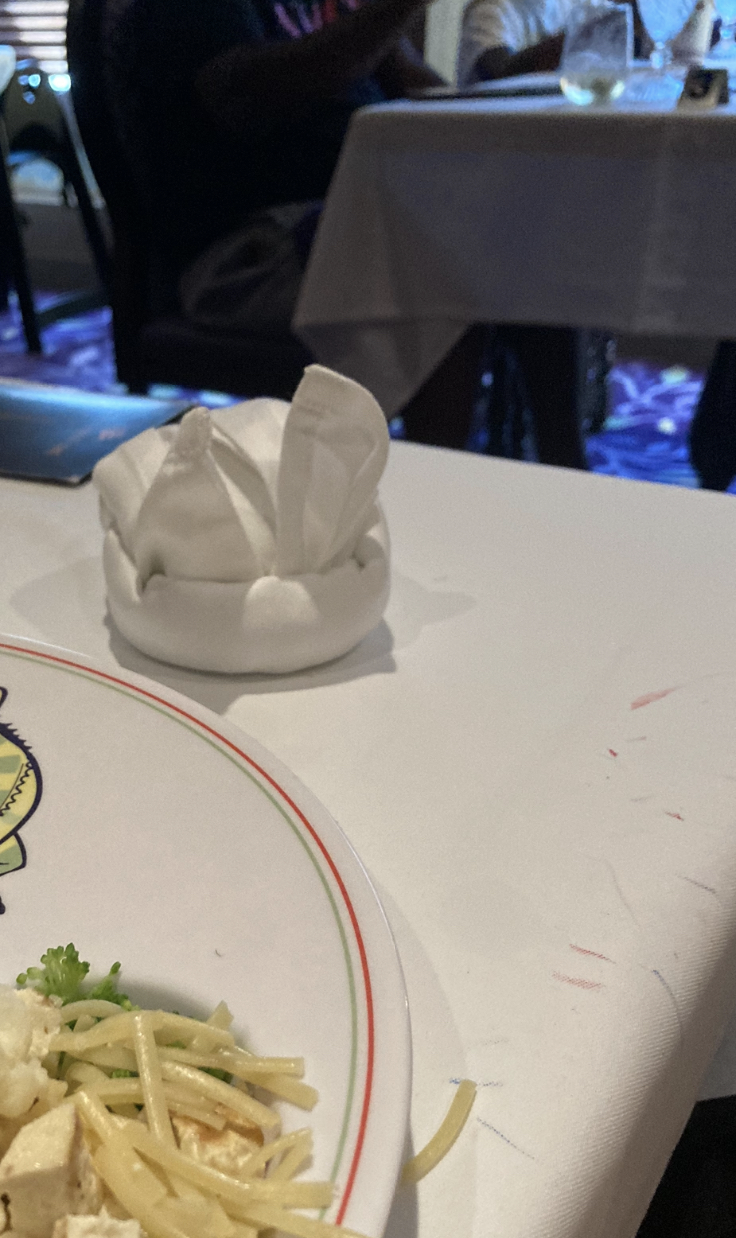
500 38
504 38
229 109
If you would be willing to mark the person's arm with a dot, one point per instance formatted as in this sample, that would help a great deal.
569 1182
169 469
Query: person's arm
404 70
497 62
543 57
318 66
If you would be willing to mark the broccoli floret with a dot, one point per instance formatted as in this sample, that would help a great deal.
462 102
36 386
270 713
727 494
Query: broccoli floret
61 975
107 990
216 1073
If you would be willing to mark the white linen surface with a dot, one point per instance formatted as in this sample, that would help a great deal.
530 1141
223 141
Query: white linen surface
443 214
535 762
250 538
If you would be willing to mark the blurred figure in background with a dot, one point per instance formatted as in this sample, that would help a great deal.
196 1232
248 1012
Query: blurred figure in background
228 109
504 38
232 114
500 38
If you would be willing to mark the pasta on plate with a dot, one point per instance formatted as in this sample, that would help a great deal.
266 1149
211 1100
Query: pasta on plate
118 1122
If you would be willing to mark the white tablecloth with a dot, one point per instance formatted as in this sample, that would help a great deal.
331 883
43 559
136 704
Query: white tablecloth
446 213
559 867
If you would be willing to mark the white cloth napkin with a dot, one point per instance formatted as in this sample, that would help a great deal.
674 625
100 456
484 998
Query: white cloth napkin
250 538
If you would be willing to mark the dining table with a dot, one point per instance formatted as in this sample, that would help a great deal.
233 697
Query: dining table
516 206
533 755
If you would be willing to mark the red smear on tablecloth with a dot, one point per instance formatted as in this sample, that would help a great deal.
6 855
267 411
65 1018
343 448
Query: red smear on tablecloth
676 815
649 697
593 953
578 981
613 754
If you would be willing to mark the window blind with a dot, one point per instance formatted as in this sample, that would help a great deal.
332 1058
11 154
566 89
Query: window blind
36 28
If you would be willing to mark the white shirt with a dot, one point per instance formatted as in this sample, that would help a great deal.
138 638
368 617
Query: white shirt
515 24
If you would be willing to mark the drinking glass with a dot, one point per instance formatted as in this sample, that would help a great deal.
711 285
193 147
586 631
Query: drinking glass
596 56
726 46
664 20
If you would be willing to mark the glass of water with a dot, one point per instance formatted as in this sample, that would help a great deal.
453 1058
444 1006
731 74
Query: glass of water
664 19
596 56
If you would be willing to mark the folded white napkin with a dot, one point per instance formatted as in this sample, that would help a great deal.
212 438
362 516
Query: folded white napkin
250 538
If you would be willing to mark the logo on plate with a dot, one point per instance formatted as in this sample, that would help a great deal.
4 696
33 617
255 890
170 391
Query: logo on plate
20 794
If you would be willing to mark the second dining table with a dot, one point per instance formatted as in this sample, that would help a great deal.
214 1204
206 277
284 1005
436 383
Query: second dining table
443 213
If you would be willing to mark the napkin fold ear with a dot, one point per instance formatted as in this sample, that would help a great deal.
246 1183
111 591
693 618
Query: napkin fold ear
334 451
123 479
188 527
251 539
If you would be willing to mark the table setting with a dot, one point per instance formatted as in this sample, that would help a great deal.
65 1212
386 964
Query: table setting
320 979
485 834
419 761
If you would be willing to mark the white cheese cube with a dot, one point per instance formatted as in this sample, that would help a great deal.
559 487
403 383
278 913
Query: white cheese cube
47 1173
227 1150
27 1023
101 1226
45 1017
21 1085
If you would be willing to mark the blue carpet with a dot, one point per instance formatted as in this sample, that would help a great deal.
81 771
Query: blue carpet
644 438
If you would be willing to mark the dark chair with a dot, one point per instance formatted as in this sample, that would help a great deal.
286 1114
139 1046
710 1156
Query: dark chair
152 347
713 429
33 125
13 262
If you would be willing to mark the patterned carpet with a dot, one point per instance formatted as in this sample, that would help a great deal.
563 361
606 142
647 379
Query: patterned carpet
644 438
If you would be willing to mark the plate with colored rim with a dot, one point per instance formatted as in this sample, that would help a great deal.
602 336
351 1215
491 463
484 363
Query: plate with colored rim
146 829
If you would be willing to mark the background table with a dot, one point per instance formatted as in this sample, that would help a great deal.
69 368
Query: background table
559 869
446 213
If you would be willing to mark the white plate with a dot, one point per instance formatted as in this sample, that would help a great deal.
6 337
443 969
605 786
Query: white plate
165 838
